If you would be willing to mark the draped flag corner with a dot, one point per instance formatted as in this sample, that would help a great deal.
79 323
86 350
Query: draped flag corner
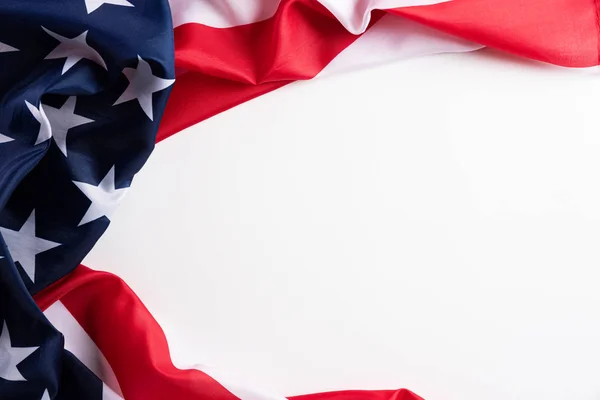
89 86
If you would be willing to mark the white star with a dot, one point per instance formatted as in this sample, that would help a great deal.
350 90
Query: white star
4 139
92 5
104 197
46 395
142 84
4 48
24 245
74 50
62 119
10 357
45 131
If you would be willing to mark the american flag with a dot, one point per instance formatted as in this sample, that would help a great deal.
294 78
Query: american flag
88 87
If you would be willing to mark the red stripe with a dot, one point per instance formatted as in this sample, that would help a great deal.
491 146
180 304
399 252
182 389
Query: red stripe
129 337
561 32
196 97
228 66
136 347
597 19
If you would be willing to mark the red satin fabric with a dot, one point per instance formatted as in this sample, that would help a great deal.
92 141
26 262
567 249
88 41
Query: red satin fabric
136 347
561 32
226 67
129 337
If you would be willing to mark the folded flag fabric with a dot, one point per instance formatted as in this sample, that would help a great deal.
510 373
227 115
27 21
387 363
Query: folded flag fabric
89 86
229 52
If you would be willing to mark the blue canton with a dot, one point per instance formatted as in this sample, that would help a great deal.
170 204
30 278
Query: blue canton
83 84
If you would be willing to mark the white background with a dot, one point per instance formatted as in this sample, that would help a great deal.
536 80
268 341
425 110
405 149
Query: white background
432 224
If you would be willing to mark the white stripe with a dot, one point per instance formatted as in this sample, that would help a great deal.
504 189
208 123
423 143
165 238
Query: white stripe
353 14
109 394
78 342
391 39
356 15
222 13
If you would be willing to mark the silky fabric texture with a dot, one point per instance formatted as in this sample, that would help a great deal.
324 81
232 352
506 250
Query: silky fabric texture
220 68
99 299
42 210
